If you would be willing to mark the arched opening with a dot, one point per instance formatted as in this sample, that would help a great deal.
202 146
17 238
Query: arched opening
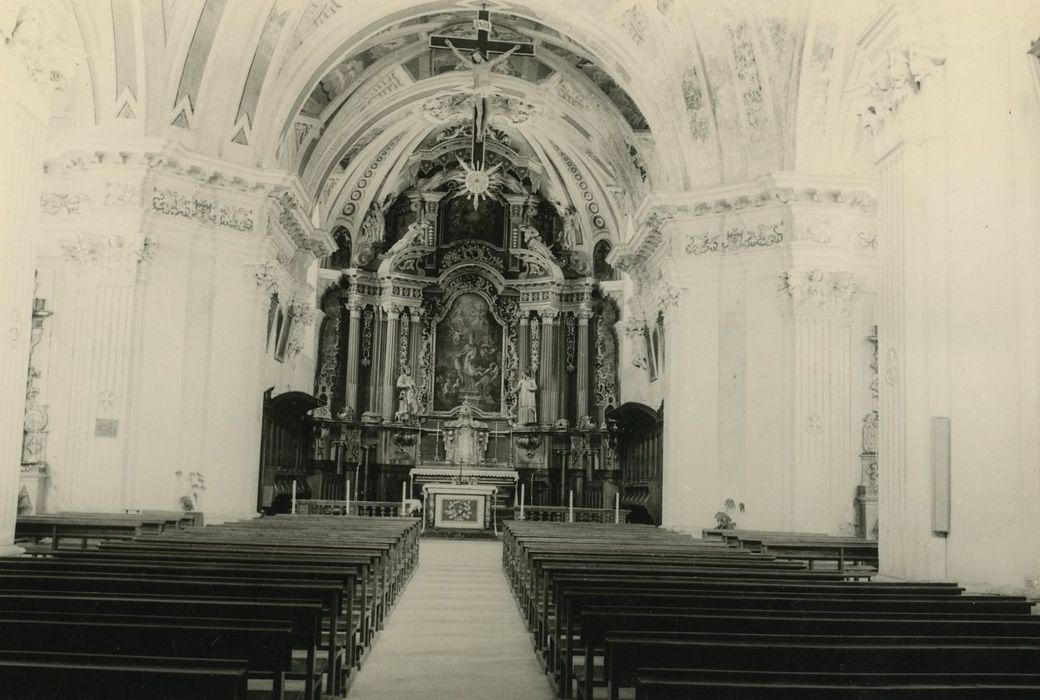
640 457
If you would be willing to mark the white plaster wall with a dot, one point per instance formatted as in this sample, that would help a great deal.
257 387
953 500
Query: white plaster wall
960 309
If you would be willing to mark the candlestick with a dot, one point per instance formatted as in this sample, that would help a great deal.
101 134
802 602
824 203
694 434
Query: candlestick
570 508
404 496
617 508
294 497
521 501
347 511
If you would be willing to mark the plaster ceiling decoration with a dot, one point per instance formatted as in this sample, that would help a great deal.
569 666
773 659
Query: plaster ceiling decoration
636 96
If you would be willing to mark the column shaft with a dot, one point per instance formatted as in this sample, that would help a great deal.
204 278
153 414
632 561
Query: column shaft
353 341
582 366
393 316
548 388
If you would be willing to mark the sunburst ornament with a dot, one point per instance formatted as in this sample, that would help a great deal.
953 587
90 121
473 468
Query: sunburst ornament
477 183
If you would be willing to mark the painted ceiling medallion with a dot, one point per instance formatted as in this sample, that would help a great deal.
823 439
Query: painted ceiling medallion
477 183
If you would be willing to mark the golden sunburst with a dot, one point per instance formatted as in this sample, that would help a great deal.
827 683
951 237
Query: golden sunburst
477 183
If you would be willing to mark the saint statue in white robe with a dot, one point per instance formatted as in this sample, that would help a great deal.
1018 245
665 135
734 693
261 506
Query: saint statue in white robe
526 410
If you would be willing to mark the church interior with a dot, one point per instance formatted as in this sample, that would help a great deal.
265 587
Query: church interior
554 292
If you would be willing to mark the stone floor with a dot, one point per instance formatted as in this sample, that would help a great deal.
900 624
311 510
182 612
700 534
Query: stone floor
455 633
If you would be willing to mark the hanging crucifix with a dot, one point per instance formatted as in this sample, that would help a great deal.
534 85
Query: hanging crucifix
481 65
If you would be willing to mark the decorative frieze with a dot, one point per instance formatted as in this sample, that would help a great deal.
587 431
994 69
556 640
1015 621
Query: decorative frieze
64 203
472 251
735 239
203 211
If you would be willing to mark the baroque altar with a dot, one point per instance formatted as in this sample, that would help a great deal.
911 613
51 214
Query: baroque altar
478 349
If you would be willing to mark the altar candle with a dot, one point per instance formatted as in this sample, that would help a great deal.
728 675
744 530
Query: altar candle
404 496
347 511
570 508
617 508
294 496
521 501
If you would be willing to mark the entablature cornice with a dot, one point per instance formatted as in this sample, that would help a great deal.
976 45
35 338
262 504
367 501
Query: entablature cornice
164 178
779 209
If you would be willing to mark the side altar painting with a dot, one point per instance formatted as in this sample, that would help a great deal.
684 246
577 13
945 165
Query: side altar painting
469 357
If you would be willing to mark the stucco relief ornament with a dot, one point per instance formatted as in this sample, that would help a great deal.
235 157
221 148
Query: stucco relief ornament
441 108
891 84
25 32
112 255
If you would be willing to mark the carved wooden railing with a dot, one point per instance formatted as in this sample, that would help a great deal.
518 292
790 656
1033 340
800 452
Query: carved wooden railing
366 509
562 514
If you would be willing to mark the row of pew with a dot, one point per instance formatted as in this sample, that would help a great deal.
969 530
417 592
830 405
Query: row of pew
623 611
277 607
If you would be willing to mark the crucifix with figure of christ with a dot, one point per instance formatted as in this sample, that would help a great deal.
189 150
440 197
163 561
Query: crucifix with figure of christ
479 62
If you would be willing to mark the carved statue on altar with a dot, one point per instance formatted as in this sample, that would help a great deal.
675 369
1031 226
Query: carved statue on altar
526 410
465 438
533 239
408 402
413 236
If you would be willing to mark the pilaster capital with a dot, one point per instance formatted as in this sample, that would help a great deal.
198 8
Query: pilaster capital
819 293
111 257
29 42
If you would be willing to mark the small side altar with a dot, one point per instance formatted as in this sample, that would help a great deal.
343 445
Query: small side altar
459 506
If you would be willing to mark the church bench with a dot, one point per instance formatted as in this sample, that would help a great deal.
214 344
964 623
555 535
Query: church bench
307 637
328 595
56 528
96 677
627 653
596 623
546 600
394 567
714 533
367 588
573 597
263 647
652 687
374 580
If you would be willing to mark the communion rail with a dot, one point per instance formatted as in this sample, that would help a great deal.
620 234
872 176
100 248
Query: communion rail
562 514
366 509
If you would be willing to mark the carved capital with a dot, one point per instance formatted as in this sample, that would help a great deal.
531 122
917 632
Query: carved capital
815 292
111 256
26 34
898 77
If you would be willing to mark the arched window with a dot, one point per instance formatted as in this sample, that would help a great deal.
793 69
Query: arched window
603 270
341 258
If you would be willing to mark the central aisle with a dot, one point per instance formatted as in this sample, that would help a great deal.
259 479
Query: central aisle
455 633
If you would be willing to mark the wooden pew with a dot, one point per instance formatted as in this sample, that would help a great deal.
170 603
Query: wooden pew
99 677
627 652
264 648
